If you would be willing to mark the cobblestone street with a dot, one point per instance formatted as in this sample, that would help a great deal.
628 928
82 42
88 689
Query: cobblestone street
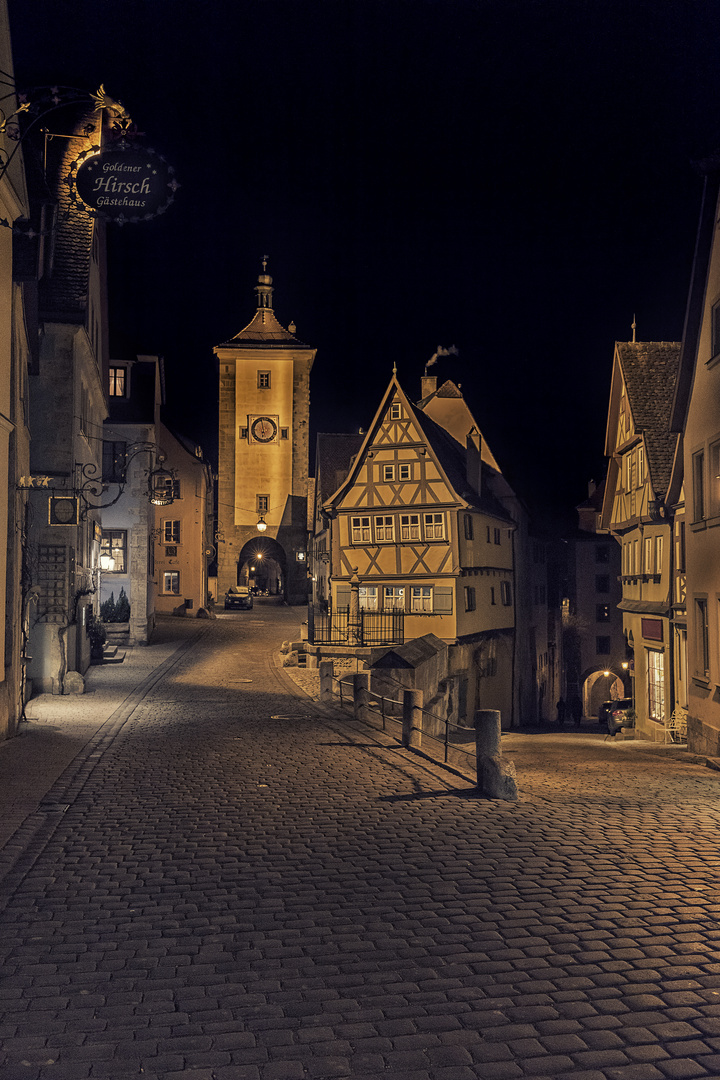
225 883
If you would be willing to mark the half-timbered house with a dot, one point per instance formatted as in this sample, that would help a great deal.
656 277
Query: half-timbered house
638 512
418 530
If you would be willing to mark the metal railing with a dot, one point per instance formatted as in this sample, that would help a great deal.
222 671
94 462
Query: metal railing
368 628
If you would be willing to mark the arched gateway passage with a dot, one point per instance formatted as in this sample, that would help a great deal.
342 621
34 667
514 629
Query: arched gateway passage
262 563
599 686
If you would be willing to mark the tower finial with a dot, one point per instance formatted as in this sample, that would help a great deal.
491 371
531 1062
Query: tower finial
264 288
634 328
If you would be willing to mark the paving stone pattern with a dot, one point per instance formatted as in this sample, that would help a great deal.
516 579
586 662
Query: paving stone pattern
245 888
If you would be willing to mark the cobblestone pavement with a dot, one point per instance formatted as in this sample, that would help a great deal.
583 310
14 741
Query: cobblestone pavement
243 888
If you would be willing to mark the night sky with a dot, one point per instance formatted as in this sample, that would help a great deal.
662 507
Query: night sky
512 177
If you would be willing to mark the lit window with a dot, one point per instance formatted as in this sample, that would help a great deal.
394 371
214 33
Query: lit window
656 685
434 525
361 530
404 472
470 597
388 472
368 597
171 582
114 545
602 613
421 598
384 529
409 526
118 381
263 380
506 593
394 598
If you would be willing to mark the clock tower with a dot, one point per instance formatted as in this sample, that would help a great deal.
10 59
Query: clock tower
263 454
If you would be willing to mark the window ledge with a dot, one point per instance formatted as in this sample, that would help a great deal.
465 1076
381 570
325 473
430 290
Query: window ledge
701 680
698 526
713 361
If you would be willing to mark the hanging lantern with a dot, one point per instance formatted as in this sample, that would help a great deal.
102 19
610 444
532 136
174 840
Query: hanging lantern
161 487
261 525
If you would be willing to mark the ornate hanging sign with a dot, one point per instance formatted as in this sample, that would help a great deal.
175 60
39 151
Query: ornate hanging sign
122 183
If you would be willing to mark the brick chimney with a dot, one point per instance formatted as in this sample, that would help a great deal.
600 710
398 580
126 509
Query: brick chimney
428 386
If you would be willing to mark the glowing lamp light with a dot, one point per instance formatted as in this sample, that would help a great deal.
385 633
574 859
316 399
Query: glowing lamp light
107 562
606 674
261 525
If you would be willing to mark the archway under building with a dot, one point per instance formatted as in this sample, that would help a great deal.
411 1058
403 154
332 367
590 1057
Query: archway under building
599 686
262 565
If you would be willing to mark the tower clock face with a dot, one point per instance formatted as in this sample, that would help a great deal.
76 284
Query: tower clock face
263 429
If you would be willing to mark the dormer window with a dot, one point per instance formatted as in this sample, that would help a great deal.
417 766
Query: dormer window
118 382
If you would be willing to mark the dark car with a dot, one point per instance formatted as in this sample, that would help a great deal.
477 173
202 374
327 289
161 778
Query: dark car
604 712
238 596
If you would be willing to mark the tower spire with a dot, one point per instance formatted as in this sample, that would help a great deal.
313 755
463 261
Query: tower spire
264 288
634 328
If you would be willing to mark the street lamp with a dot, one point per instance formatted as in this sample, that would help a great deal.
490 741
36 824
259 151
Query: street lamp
261 525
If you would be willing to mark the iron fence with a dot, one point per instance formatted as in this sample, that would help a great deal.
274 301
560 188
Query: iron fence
368 628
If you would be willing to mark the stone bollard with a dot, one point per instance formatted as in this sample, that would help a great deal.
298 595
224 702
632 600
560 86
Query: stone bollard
412 718
326 669
360 694
495 773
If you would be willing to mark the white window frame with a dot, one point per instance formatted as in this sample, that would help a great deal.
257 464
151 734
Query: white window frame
434 526
368 597
393 598
360 529
385 529
421 598
405 471
171 578
648 555
658 554
388 473
409 527
396 411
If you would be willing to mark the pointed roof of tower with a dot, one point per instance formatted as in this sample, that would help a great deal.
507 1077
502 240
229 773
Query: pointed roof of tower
264 330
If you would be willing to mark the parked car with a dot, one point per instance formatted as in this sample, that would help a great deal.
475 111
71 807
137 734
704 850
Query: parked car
238 596
605 711
622 715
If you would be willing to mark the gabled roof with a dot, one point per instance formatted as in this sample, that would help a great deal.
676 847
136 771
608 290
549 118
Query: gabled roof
649 370
448 453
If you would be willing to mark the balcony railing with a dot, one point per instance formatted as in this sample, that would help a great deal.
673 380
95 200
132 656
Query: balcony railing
368 627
